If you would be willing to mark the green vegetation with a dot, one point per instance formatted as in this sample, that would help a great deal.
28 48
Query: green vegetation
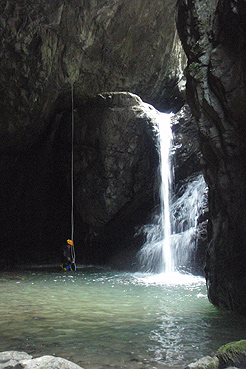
194 67
232 353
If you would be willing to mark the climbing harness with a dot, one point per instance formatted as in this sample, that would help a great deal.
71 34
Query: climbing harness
69 254
73 265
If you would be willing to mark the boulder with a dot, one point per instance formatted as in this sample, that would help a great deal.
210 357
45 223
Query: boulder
18 360
47 362
9 359
232 354
206 362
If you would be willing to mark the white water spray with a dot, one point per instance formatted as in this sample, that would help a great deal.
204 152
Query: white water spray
185 211
156 254
165 139
172 236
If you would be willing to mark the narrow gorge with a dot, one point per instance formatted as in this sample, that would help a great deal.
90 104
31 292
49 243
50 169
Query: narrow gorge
213 37
123 60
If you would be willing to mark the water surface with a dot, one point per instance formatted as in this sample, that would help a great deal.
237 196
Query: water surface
100 318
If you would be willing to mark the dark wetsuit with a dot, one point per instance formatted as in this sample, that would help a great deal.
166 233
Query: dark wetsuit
66 262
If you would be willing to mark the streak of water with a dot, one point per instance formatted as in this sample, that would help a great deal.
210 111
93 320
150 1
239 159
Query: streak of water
172 236
165 138
184 213
156 253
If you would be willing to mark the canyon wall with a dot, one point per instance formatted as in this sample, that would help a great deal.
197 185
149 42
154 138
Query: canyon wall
98 46
213 34
49 49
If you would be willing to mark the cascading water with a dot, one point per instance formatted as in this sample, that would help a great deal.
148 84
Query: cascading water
172 236
185 211
156 254
165 139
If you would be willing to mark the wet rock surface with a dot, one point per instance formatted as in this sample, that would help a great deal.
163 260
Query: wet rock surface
96 46
115 164
18 360
48 51
230 356
213 36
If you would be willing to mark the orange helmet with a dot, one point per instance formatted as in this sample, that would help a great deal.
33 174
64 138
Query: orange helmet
70 242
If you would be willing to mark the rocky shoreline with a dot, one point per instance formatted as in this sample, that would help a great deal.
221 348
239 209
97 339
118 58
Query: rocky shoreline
229 356
20 359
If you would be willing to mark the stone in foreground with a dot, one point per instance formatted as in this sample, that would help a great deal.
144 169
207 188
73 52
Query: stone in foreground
18 360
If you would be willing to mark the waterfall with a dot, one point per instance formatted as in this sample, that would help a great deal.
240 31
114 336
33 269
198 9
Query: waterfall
172 236
185 211
165 138
156 253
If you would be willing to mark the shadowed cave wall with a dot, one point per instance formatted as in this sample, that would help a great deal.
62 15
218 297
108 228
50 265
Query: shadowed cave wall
213 34
130 46
97 47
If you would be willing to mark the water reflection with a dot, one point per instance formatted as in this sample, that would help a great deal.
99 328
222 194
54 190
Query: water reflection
98 318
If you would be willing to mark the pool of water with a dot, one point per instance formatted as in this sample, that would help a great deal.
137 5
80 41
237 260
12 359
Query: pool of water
100 318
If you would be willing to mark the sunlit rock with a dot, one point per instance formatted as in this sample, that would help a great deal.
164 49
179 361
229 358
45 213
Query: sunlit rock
206 362
48 362
97 46
9 359
17 359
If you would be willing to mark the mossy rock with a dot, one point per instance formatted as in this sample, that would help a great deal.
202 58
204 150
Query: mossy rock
232 354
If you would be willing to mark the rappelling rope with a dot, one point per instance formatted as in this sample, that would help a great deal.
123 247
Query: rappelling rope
72 181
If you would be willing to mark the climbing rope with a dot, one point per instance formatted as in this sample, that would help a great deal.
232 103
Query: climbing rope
73 265
72 169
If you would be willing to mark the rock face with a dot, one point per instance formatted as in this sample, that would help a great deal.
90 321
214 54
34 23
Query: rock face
115 164
213 34
48 50
112 139
116 161
186 154
186 157
96 45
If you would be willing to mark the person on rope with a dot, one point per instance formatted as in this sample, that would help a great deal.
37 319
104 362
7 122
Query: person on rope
68 250
68 256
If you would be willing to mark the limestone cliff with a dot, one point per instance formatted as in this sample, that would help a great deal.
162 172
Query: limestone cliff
213 34
96 47
115 164
99 50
